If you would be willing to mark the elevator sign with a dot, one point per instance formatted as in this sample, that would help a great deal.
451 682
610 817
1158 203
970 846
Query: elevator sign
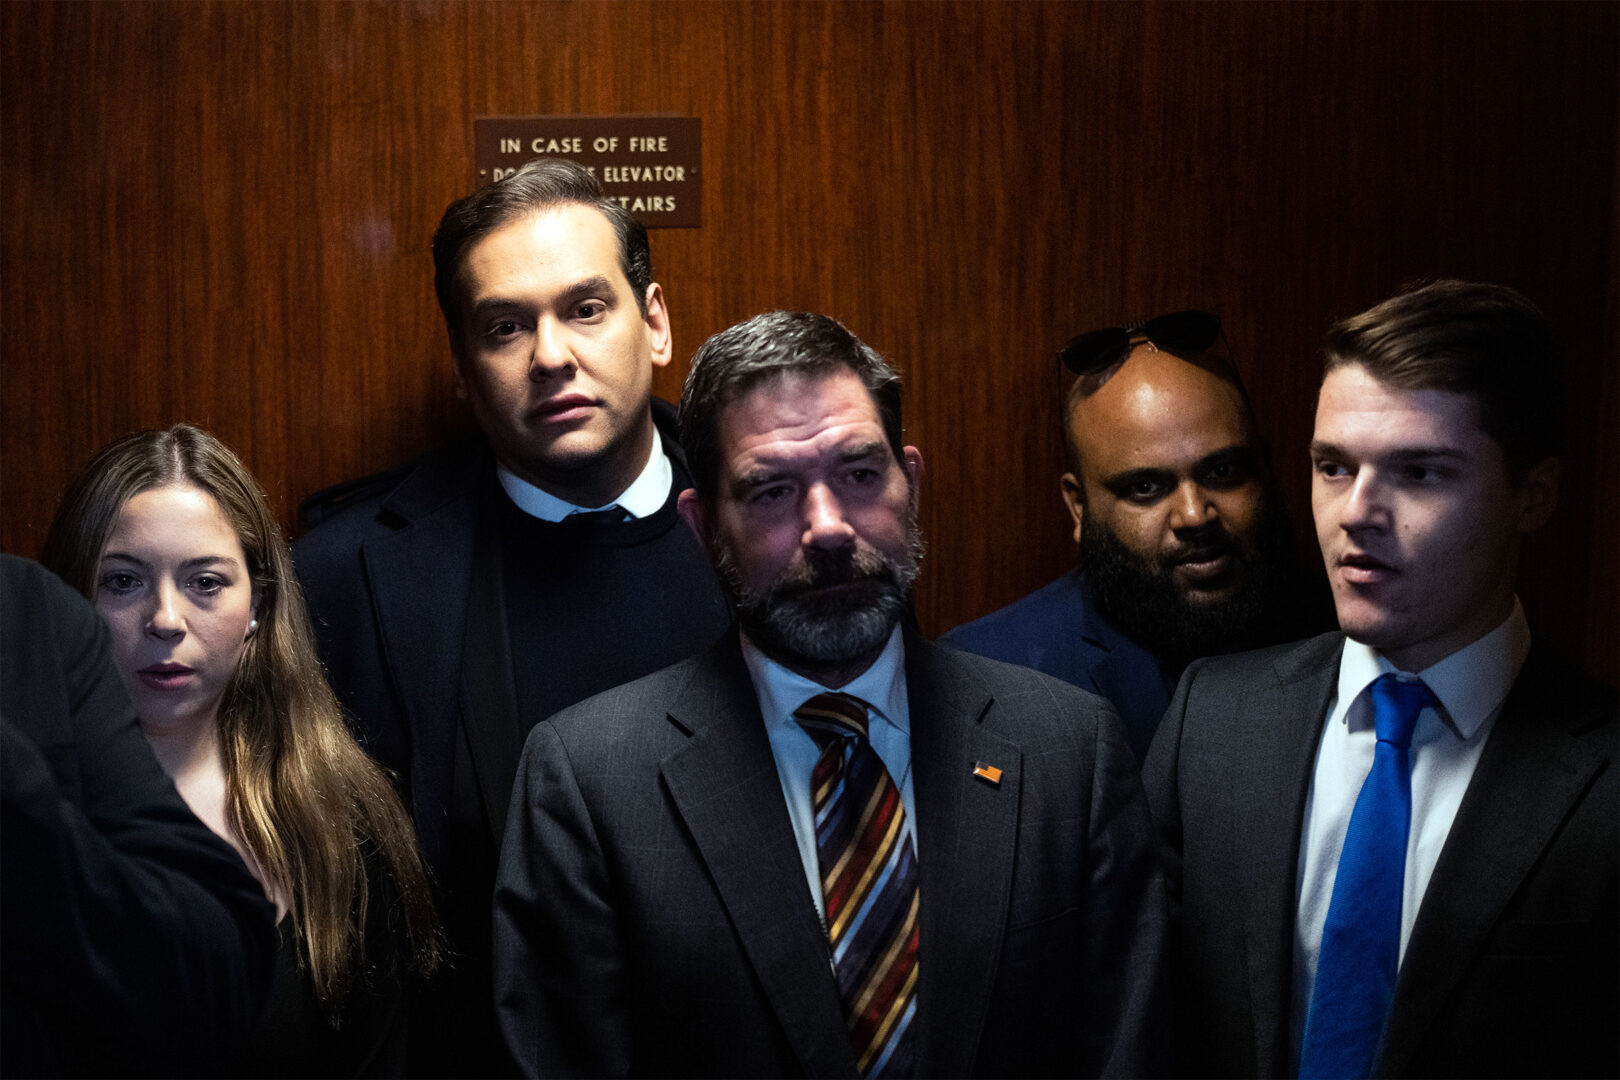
651 165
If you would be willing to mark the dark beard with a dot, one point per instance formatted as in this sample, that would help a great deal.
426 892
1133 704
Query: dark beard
1142 597
792 620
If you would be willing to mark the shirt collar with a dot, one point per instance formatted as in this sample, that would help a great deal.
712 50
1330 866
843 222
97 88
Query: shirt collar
882 686
645 496
1471 683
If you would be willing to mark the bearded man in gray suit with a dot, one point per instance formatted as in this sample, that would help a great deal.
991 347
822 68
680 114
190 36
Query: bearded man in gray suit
825 847
1393 851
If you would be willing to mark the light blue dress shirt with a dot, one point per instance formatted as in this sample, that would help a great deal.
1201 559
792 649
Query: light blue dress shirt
780 691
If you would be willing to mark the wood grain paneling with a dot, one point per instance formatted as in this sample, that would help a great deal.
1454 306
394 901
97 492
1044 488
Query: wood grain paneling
220 212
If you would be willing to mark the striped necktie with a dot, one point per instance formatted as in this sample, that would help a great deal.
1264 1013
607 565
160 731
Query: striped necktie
868 883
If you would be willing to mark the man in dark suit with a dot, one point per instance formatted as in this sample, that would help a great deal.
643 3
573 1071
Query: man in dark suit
825 847
1393 851
134 940
462 600
1183 542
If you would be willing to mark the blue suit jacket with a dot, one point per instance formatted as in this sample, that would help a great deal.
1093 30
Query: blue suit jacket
1058 630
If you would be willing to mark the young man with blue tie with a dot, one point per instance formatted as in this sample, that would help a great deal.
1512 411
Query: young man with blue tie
1392 851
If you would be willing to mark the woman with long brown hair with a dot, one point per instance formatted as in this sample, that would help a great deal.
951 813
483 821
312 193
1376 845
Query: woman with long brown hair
169 535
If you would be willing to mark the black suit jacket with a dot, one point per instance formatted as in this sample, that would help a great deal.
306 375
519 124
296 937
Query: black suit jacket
389 574
413 631
1513 962
134 940
652 914
388 582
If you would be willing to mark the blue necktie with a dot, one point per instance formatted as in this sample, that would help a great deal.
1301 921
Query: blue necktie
1361 940
609 515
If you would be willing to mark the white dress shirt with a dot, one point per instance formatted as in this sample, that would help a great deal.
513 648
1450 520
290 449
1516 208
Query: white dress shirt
780 691
1471 685
645 495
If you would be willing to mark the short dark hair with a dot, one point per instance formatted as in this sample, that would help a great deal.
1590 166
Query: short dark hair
767 346
539 185
1484 341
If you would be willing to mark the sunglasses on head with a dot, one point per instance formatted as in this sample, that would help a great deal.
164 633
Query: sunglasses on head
1178 332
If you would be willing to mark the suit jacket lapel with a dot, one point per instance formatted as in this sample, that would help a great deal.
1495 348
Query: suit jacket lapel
489 710
1281 730
419 579
724 785
1530 774
967 830
1125 671
1121 664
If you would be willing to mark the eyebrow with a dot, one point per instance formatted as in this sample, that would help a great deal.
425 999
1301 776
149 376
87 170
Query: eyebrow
765 474
875 448
187 564
599 286
1400 455
741 485
1236 453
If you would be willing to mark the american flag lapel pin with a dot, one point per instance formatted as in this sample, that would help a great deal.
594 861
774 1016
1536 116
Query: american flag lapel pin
987 772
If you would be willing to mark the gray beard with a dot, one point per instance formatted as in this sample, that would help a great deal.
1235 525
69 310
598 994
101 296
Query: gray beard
791 620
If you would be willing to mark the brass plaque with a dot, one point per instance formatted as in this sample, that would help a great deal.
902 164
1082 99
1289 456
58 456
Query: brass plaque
650 164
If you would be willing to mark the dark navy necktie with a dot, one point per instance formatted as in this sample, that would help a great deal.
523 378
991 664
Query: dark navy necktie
1361 940
868 884
610 515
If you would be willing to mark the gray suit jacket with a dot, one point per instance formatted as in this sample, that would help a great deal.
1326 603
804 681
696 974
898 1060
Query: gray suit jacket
1511 969
652 915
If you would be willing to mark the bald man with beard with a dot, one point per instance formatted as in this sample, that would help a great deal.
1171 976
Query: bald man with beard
1183 543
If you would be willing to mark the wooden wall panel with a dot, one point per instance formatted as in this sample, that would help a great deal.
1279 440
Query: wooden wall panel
220 212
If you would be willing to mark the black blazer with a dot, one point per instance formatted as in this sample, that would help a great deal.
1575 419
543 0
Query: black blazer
413 632
387 582
134 940
388 572
1513 962
652 914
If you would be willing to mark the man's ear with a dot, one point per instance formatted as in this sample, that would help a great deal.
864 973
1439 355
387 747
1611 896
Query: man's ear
1537 495
458 367
914 472
1074 499
691 510
659 335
